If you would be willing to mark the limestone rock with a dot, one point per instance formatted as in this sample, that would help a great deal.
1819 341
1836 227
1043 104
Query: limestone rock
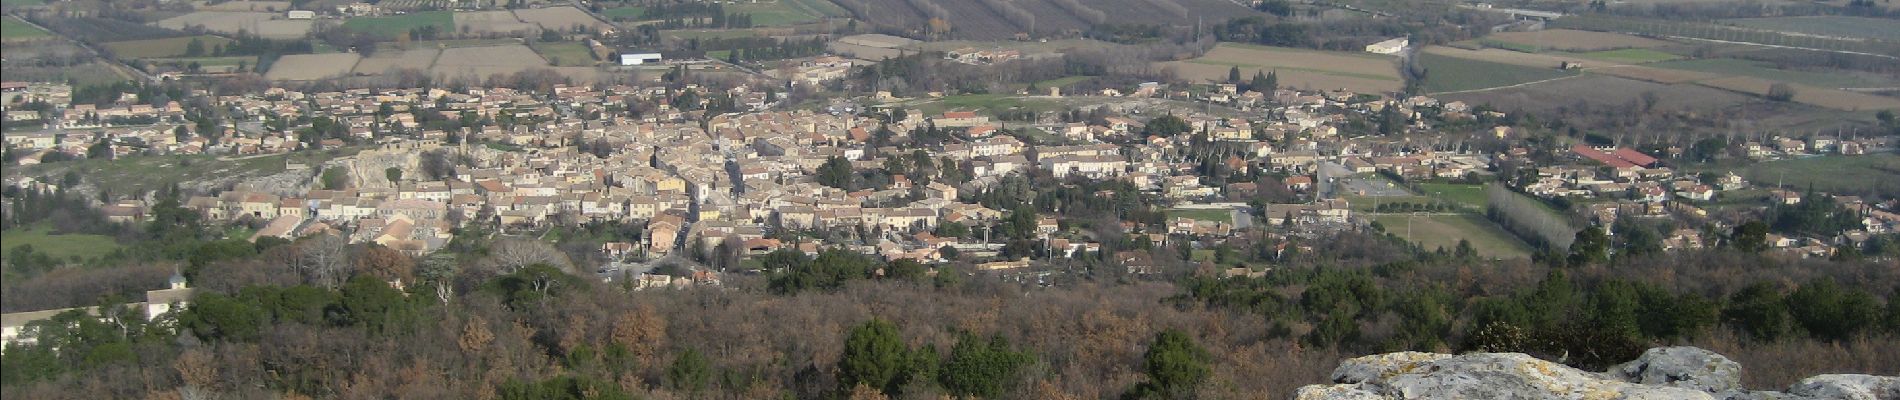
1848 387
1477 376
1683 367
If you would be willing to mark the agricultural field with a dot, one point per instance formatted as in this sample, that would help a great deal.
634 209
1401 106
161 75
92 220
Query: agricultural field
304 67
163 48
1446 73
480 62
398 25
560 18
418 58
1574 40
1838 26
264 24
1735 67
630 13
565 54
688 34
1445 230
1873 173
1300 68
22 3
778 13
821 8
56 246
12 29
1628 56
99 30
210 64
1730 33
1805 94
1471 196
243 5
979 20
1602 89
491 22
92 73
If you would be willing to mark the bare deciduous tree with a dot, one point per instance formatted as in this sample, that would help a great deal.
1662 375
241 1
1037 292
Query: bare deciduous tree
510 255
323 260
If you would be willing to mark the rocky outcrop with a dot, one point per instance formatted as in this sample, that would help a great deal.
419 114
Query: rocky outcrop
1684 373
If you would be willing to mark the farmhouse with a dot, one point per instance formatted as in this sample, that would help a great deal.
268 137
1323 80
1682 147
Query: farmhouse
300 14
1389 46
639 57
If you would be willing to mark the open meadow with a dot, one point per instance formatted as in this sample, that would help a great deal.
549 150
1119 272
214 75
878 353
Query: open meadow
1300 68
1446 73
12 29
304 67
385 61
1602 89
397 25
484 22
1864 174
60 247
565 54
775 13
1434 231
563 18
1838 26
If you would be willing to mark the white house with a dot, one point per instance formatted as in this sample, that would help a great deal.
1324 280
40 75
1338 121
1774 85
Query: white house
1389 46
639 57
301 14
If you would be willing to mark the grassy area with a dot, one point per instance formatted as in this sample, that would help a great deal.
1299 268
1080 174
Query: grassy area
446 44
1445 230
709 34
1631 56
1870 28
1452 74
1370 203
1848 174
1202 214
14 29
565 54
56 246
1468 195
1245 66
163 48
820 8
394 26
1729 66
22 3
773 14
628 13
1510 45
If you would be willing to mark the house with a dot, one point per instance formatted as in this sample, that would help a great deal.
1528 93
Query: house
1389 46
300 14
639 57
960 119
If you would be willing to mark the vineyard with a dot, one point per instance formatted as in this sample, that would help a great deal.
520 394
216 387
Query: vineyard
998 19
99 30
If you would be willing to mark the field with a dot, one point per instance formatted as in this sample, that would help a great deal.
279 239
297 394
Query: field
1704 30
977 20
1824 97
1445 230
92 73
161 48
1202 214
708 34
1574 40
560 18
1299 68
1468 195
491 22
1452 74
1734 67
779 13
244 5
565 54
394 26
13 29
1629 56
210 64
259 23
419 58
1602 89
631 13
303 67
97 30
822 8
56 246
22 3
1873 173
480 62
1856 27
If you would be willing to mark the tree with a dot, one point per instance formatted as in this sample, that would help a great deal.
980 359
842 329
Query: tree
1758 311
322 260
509 255
1175 366
689 372
195 48
982 368
1591 246
1751 237
335 178
873 356
1829 312
394 174
1166 126
386 264
836 172
1780 92
1233 74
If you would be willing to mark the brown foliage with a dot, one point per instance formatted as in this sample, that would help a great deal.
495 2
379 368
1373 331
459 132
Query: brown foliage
386 264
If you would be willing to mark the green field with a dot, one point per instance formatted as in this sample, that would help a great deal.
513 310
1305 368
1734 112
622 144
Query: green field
1869 28
565 54
773 14
22 3
394 26
1632 56
1201 214
1847 174
163 48
13 29
709 34
1730 66
1445 230
628 13
56 246
1452 74
1468 195
1512 46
